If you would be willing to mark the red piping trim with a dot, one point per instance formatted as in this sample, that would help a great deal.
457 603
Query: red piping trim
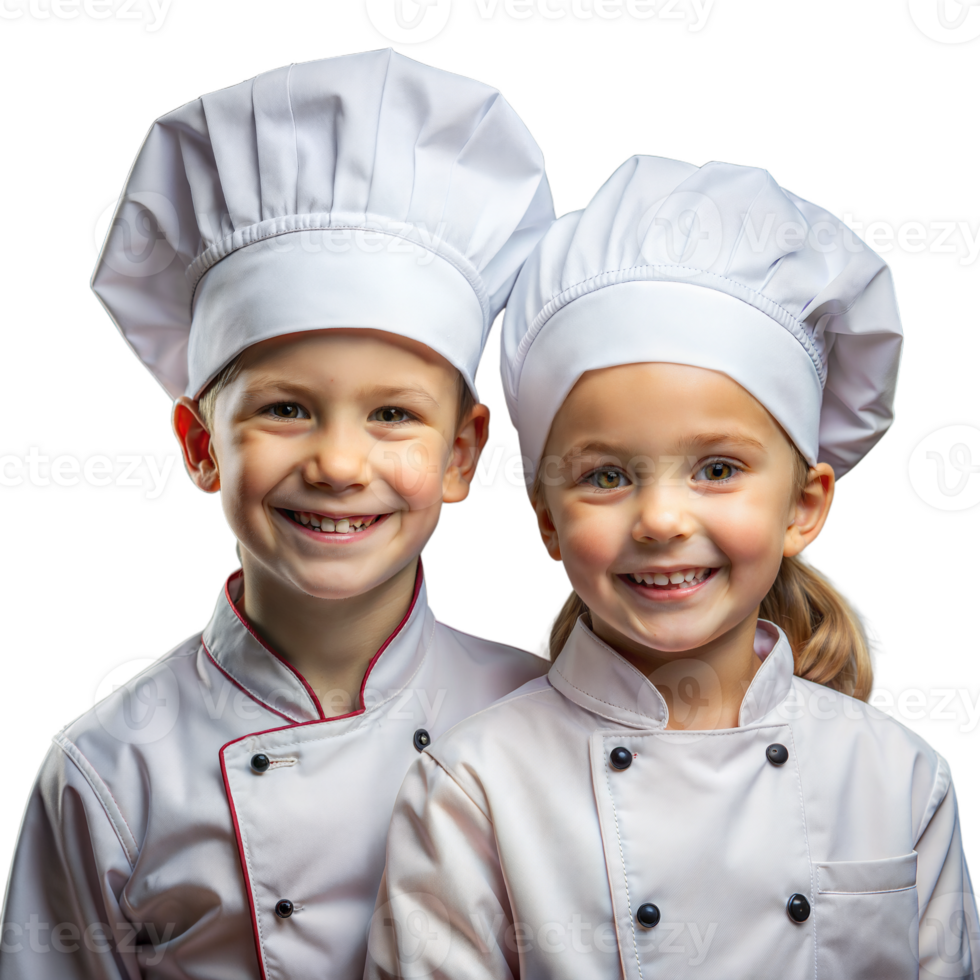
387 643
244 864
316 721
282 660
254 697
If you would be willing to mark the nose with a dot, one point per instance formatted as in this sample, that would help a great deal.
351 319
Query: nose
337 460
664 515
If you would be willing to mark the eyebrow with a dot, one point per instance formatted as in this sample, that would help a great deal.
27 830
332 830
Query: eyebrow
261 385
699 443
596 449
400 391
708 440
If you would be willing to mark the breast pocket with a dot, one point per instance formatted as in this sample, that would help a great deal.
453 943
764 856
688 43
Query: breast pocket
867 915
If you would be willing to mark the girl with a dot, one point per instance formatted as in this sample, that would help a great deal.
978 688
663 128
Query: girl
697 788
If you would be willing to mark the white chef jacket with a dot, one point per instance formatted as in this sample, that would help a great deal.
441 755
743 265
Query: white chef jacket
148 818
517 850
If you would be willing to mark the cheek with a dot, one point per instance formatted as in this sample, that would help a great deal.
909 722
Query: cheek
750 532
411 471
591 537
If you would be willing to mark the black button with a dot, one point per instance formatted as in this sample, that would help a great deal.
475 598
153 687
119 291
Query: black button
621 758
422 739
798 908
260 763
284 908
648 915
777 754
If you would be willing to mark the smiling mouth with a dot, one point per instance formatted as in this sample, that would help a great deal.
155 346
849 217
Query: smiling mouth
682 578
321 524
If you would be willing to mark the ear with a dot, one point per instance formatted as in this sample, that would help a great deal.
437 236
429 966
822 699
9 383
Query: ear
810 513
549 533
471 437
195 443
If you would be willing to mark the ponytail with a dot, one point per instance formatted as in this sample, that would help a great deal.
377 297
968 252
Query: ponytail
828 639
565 622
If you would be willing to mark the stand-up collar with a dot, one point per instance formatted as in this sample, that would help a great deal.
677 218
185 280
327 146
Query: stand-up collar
595 677
265 675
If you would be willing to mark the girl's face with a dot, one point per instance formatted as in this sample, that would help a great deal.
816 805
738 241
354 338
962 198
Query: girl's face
671 495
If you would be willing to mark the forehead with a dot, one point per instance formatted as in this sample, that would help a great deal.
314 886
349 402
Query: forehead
341 359
659 405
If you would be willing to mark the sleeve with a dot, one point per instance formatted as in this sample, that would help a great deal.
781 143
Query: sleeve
442 911
949 931
61 916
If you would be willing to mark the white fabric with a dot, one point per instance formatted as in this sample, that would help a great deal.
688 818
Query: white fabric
147 815
715 267
362 191
516 850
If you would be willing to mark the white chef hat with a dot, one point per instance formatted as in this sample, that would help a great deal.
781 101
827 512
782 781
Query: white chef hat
362 191
715 267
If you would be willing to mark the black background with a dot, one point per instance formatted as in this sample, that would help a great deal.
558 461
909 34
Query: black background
850 106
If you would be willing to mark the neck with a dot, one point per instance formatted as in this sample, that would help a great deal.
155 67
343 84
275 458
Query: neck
330 642
703 687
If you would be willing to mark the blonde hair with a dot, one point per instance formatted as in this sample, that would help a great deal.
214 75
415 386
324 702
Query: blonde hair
827 637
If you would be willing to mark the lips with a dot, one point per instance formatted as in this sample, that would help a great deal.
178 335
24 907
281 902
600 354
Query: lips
331 525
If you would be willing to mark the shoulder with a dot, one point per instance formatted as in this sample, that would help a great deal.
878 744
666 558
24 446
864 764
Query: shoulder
489 655
532 712
878 747
141 712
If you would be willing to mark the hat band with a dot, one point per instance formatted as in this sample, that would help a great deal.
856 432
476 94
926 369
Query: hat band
296 282
670 322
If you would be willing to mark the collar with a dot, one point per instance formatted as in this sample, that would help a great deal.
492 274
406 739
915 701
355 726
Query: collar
270 679
595 677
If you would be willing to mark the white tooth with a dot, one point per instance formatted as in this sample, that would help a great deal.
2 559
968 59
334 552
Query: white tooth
328 525
343 526
676 578
689 575
314 520
358 522
304 517
648 580
660 579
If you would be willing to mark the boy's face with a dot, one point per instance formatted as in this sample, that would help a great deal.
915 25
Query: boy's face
352 430
670 496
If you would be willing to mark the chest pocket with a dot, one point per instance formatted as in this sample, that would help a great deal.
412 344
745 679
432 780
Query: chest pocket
867 919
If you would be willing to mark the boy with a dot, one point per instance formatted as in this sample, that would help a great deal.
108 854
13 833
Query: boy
309 262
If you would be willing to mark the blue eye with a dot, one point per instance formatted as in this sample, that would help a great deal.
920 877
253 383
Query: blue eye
607 479
716 471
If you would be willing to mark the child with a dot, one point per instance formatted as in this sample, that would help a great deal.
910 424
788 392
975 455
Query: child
309 262
690 361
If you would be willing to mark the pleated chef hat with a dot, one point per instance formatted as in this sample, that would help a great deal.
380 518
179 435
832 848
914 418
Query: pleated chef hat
716 267
361 191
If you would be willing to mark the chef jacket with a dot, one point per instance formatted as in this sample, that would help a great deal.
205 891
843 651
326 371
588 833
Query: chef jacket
207 821
565 832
